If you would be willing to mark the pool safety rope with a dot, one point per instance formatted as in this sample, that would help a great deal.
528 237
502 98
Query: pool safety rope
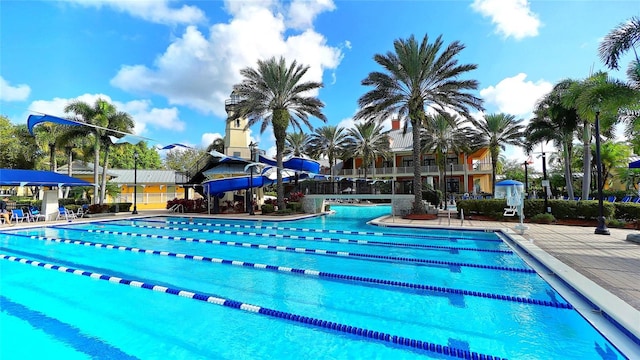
329 231
315 238
328 325
308 272
306 250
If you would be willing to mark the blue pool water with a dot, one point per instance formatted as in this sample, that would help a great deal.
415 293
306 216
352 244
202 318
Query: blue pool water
328 287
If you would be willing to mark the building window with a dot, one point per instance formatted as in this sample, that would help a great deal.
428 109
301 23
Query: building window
430 161
236 153
387 163
237 123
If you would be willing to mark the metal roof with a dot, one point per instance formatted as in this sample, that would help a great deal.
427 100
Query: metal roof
126 176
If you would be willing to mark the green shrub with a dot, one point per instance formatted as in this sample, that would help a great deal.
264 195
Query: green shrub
627 211
294 206
119 207
615 223
267 208
543 219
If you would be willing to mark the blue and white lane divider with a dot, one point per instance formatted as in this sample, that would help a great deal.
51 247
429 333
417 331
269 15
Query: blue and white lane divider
309 321
309 272
309 251
329 231
326 239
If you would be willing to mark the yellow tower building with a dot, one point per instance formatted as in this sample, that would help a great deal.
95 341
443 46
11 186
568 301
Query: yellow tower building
236 139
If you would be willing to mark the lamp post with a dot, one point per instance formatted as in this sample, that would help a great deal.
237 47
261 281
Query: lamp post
444 163
252 148
526 178
451 182
545 183
135 183
601 229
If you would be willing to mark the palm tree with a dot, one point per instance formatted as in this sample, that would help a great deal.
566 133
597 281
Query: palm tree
497 131
329 141
368 140
296 144
442 134
418 76
99 117
557 123
597 94
275 95
217 145
617 42
120 122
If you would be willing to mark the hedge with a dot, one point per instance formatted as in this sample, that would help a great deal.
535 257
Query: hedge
561 209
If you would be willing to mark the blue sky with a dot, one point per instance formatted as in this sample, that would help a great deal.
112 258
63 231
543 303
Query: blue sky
171 64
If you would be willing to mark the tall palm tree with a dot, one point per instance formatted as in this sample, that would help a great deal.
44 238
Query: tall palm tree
624 37
274 94
442 134
48 139
99 117
368 140
296 144
120 122
418 76
497 131
597 94
329 141
557 123
217 145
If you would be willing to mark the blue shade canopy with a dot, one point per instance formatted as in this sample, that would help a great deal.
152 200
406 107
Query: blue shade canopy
634 165
34 120
508 183
18 177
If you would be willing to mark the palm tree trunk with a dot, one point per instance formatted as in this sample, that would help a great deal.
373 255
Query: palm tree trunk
96 161
586 176
418 206
103 186
567 170
280 123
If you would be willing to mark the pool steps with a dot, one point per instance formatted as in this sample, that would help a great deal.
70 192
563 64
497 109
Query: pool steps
326 239
308 251
309 272
329 325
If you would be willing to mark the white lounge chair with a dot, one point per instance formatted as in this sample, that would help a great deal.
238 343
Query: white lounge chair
64 213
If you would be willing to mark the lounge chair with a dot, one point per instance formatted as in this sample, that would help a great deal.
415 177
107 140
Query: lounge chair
36 215
626 199
18 215
637 200
611 198
64 213
82 211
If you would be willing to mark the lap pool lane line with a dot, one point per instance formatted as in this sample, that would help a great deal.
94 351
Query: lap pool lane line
309 321
305 250
326 231
309 272
326 239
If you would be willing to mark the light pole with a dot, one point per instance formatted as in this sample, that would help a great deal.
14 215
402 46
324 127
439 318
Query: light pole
545 183
252 148
444 163
135 182
526 179
451 182
601 229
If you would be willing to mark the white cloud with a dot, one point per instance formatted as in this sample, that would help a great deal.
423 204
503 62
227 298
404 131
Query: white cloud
156 11
208 138
199 70
515 96
303 12
513 18
13 93
142 112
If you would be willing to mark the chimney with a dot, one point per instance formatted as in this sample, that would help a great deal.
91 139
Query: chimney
395 124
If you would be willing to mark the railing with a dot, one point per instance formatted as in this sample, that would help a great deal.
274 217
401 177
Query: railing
426 169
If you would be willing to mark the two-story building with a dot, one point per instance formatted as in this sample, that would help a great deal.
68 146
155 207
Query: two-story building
465 173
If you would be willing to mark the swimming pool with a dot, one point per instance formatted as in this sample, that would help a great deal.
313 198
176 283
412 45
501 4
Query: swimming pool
324 287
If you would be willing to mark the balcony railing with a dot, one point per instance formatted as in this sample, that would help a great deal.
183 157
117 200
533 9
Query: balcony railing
458 169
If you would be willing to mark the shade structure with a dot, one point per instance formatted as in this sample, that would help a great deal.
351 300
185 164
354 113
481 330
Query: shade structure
34 120
19 177
634 165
